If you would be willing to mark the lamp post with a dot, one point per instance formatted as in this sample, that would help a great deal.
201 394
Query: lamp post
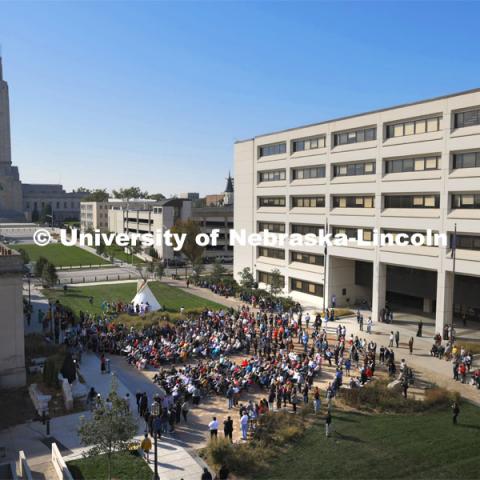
155 410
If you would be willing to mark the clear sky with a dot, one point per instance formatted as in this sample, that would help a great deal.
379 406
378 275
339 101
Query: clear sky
154 94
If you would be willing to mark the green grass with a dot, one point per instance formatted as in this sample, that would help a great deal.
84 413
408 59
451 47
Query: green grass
120 254
125 466
425 446
61 255
171 298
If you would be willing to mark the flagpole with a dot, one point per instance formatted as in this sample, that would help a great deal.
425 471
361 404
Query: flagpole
325 267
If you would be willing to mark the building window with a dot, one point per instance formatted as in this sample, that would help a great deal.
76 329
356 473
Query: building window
415 164
264 277
352 232
274 149
308 172
350 169
271 176
466 200
271 253
466 242
309 258
412 201
355 136
306 287
466 160
413 127
271 201
468 118
353 201
271 227
304 229
308 202
308 144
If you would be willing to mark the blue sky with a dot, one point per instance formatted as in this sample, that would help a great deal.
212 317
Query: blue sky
154 94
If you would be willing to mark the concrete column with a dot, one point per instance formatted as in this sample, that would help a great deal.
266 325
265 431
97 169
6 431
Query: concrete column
444 314
379 289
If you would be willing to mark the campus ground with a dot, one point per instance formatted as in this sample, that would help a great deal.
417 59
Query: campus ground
171 298
62 256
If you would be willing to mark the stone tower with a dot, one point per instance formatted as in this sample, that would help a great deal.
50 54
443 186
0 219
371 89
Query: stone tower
228 194
10 187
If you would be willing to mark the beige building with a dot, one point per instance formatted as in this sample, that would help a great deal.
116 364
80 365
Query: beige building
12 348
398 170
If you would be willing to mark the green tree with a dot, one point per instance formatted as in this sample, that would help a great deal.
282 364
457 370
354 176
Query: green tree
97 195
277 282
197 269
24 255
159 270
49 275
157 196
110 429
247 280
39 265
190 249
152 252
45 214
35 215
218 271
131 192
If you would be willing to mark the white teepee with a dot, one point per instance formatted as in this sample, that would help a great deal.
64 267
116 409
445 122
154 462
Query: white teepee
144 295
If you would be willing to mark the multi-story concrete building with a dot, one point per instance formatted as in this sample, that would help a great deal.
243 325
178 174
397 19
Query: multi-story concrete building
404 169
12 345
63 205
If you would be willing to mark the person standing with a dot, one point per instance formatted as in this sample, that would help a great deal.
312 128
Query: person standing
316 400
185 410
390 342
455 412
146 446
228 428
419 328
244 425
410 345
213 427
397 338
328 423
206 475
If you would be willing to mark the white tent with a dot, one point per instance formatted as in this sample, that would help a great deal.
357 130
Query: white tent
145 296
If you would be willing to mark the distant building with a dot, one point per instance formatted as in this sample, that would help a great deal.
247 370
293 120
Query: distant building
190 196
12 347
214 200
64 205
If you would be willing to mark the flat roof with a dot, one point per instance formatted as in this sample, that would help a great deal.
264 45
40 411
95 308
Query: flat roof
433 99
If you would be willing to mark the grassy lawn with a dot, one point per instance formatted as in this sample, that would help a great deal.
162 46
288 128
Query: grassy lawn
171 298
120 254
61 255
423 446
125 466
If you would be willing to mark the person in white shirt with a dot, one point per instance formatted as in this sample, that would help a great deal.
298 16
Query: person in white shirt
213 427
244 425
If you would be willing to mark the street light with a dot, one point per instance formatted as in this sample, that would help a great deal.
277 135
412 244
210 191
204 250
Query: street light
155 411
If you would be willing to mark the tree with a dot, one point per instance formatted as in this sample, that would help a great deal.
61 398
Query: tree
190 249
97 195
127 193
277 282
35 215
197 269
110 429
45 214
218 271
39 264
24 255
152 252
69 371
49 275
82 190
247 280
159 270
101 248
157 196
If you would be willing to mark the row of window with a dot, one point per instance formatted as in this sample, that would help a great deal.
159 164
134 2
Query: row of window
413 127
57 205
352 232
265 277
398 129
301 257
397 165
414 164
458 201
303 286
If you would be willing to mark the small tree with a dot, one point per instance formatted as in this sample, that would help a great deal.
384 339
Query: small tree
198 267
110 429
159 270
277 282
152 251
25 256
218 271
39 265
247 280
49 275
190 249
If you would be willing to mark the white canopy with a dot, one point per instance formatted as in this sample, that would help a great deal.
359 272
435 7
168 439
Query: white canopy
144 295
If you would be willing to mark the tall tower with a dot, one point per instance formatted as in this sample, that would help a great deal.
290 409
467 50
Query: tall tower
228 194
11 200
